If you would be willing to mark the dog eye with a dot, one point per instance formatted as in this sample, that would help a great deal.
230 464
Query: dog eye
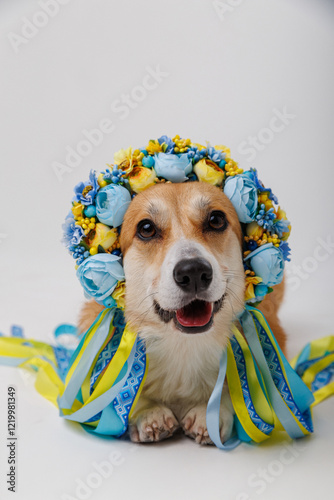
146 229
217 221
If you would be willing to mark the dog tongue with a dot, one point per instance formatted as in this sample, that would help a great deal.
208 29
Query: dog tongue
197 313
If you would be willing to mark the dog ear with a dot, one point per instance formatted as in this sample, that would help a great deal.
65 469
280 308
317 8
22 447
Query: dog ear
128 230
89 312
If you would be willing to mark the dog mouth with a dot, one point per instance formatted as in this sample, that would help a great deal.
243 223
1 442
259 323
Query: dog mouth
195 317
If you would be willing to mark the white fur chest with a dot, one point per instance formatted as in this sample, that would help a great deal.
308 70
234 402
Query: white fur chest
182 369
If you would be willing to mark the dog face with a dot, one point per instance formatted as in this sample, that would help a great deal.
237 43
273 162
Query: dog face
183 261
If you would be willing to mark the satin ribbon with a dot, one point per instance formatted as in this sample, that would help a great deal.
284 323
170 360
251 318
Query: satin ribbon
315 364
213 410
268 394
63 376
272 367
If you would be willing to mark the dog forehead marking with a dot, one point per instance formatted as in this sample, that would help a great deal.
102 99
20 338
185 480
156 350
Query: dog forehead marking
201 203
160 209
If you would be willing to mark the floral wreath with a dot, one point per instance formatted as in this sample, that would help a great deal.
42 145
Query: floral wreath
92 227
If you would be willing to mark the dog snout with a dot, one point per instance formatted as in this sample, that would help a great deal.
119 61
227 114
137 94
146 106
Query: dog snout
193 275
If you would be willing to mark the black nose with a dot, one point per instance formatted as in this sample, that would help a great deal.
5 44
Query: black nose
193 275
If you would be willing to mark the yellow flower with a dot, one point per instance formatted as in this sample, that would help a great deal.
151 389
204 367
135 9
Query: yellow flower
264 198
253 229
123 154
137 158
181 145
102 183
104 236
274 239
282 215
77 210
250 282
141 178
208 171
231 168
199 146
124 159
119 295
153 147
226 150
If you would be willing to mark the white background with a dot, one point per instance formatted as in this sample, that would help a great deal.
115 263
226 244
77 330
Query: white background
225 75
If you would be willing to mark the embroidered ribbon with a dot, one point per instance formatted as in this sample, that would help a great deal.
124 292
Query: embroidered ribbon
267 393
100 382
64 377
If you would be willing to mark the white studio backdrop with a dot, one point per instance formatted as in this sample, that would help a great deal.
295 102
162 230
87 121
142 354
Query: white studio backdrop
79 81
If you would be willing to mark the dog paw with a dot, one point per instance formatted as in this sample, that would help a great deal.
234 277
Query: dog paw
194 425
153 424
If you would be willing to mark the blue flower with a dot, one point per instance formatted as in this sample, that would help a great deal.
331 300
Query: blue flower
172 167
265 218
281 226
72 233
285 249
112 202
252 174
79 253
215 155
267 262
169 143
99 275
242 192
85 192
196 154
114 175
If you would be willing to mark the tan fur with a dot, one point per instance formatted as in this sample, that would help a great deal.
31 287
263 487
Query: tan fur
270 306
182 368
88 314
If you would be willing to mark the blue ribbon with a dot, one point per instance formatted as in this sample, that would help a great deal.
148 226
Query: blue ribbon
84 364
100 403
282 411
213 410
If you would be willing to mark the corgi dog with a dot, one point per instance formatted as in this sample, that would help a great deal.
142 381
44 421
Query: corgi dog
185 285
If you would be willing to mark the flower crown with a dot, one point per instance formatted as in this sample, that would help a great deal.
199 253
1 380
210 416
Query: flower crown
92 227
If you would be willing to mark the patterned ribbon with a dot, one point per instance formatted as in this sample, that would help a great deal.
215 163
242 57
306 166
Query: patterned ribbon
268 394
99 383
315 364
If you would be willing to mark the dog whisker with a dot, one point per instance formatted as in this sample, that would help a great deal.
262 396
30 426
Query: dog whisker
232 308
234 275
144 313
147 297
235 297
